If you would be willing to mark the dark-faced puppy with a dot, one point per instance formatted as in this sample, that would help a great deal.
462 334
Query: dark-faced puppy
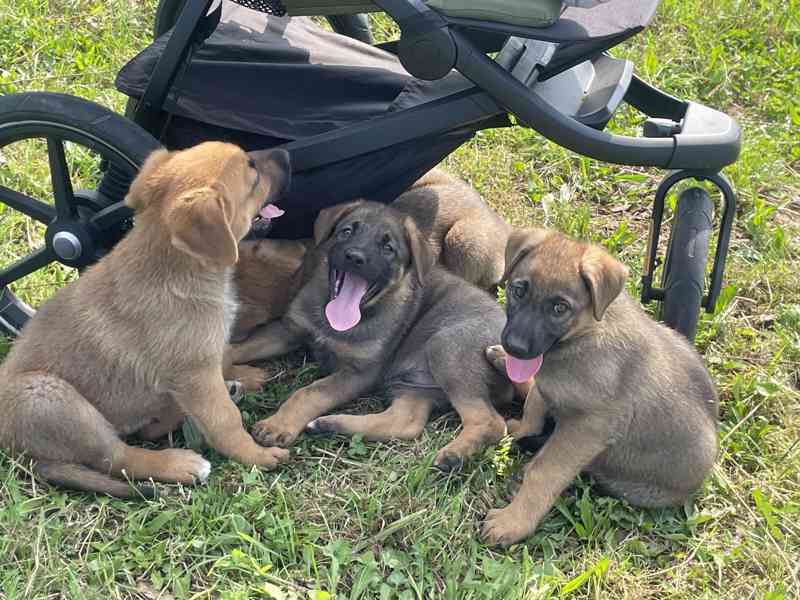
634 405
377 311
461 231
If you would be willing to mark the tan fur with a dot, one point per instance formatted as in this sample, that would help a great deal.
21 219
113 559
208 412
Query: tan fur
634 405
460 229
137 341
400 342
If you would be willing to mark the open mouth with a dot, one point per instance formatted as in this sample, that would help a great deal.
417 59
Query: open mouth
349 293
263 219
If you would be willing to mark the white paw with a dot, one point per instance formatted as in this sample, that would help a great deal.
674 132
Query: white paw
203 470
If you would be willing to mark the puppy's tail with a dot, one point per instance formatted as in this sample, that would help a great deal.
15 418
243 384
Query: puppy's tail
82 478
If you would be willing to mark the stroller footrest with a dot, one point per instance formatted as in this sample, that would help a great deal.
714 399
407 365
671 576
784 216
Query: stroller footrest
589 92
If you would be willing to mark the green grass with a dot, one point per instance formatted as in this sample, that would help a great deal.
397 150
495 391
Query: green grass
368 520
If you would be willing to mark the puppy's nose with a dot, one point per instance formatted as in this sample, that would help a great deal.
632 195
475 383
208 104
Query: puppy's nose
516 345
355 256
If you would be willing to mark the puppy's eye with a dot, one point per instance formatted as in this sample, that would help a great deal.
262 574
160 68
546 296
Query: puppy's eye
345 233
251 163
386 244
519 289
560 308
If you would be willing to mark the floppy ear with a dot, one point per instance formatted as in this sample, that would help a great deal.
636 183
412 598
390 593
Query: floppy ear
329 217
604 276
520 243
421 254
146 185
200 225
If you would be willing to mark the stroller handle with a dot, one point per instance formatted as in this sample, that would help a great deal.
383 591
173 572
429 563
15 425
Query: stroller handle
707 140
700 138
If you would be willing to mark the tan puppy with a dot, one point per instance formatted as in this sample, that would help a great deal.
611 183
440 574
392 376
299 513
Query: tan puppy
267 277
634 405
136 343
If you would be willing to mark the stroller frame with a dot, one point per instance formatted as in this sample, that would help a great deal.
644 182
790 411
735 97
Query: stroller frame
687 138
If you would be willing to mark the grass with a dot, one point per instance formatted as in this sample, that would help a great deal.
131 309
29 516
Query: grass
364 520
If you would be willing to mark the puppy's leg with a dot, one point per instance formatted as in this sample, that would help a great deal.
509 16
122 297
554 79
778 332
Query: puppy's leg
573 446
533 416
251 378
206 398
56 425
308 403
167 421
481 426
271 341
403 420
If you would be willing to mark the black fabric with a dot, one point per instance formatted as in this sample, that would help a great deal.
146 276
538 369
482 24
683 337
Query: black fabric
275 76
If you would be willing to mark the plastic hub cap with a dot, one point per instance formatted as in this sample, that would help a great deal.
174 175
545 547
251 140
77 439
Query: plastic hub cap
66 245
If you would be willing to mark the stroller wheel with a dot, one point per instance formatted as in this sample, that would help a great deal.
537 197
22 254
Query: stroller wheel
684 273
62 160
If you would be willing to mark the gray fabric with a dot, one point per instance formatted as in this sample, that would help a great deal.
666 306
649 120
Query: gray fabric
523 13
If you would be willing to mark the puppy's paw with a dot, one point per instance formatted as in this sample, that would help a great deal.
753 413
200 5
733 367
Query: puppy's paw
235 390
322 426
447 461
497 357
251 378
506 526
269 458
272 432
185 466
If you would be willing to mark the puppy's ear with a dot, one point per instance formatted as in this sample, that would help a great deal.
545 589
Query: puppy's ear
329 217
421 255
147 184
605 277
200 225
519 244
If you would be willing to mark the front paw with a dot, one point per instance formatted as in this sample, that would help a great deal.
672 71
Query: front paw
506 526
447 461
496 356
274 432
251 378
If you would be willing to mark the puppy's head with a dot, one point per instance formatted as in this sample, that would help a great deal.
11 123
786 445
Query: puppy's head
208 196
555 286
370 249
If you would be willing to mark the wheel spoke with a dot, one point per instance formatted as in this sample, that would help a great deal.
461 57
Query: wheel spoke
59 175
26 266
35 209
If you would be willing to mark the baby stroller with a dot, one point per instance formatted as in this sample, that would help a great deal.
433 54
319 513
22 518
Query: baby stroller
365 121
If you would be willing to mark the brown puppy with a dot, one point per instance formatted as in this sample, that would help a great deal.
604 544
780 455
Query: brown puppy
634 405
377 311
461 231
267 277
136 343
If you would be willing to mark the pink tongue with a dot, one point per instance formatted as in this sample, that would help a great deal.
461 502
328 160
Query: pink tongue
520 371
270 211
343 312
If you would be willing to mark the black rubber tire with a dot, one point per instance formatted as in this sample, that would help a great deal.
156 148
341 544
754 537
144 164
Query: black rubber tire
684 275
72 119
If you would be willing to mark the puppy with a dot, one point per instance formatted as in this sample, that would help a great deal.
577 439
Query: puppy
461 231
376 311
267 277
634 405
136 343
